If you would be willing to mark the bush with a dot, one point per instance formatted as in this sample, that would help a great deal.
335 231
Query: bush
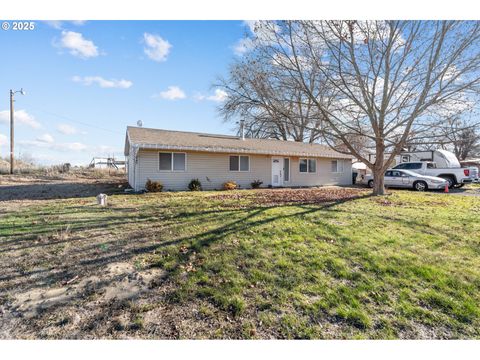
153 186
230 185
256 184
195 185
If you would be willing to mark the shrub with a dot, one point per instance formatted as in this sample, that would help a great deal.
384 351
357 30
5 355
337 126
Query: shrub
256 184
195 185
230 185
153 186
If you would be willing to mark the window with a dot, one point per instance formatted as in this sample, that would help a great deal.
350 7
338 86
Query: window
239 163
337 166
401 166
413 166
244 163
388 173
431 165
286 169
234 163
178 162
165 161
396 173
303 165
172 161
307 165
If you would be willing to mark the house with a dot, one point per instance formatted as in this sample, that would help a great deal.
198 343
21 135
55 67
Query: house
176 157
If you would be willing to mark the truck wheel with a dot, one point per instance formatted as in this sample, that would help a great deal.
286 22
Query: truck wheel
420 185
370 184
451 181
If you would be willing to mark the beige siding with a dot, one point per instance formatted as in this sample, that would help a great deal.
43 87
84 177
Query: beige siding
212 169
323 175
213 166
130 168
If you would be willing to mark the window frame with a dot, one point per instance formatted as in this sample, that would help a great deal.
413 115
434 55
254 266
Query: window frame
338 161
308 165
171 161
239 163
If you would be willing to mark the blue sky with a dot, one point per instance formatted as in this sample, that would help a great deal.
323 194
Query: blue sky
86 81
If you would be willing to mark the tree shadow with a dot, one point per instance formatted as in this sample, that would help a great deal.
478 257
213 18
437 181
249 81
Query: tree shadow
55 260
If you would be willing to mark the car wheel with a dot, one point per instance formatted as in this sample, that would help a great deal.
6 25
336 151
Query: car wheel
458 186
451 181
370 184
420 186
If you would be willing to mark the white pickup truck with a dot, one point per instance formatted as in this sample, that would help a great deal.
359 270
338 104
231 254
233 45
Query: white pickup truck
456 176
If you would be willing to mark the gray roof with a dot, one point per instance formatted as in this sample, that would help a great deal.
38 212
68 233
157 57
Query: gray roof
145 138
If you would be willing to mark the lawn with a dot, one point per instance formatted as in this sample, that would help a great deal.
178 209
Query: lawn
335 264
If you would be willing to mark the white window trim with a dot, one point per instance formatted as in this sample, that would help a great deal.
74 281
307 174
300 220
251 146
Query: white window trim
236 171
338 162
289 170
308 167
171 163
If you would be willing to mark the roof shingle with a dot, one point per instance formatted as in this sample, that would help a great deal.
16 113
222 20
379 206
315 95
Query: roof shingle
146 138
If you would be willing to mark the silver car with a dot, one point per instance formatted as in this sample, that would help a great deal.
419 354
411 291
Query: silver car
410 179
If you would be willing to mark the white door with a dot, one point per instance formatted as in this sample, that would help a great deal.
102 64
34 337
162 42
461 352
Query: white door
277 171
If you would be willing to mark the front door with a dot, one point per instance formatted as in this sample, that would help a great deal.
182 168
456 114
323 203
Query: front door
277 172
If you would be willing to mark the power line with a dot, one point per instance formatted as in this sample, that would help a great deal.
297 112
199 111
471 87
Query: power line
74 121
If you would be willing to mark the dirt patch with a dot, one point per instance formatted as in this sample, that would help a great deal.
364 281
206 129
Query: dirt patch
118 283
21 187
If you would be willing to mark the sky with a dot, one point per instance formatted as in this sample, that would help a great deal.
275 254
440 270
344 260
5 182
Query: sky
85 82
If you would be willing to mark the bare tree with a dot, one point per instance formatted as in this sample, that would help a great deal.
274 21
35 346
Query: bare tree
271 104
463 138
379 81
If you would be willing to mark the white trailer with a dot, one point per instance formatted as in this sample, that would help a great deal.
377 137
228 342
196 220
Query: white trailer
443 158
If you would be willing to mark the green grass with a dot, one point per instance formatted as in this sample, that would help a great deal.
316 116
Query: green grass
405 265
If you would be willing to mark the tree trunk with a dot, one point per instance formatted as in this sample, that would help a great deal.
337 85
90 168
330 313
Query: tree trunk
378 171
378 181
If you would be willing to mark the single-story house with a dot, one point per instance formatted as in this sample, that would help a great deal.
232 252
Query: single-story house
176 157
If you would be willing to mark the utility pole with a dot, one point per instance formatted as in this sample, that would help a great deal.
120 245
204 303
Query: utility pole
12 128
12 135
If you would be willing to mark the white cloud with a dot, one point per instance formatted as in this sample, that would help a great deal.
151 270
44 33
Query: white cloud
58 24
67 129
21 117
68 146
46 138
78 45
73 146
243 46
259 32
172 93
78 22
103 83
156 48
218 96
3 140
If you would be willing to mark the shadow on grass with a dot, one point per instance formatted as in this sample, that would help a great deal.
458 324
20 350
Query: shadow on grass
111 239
